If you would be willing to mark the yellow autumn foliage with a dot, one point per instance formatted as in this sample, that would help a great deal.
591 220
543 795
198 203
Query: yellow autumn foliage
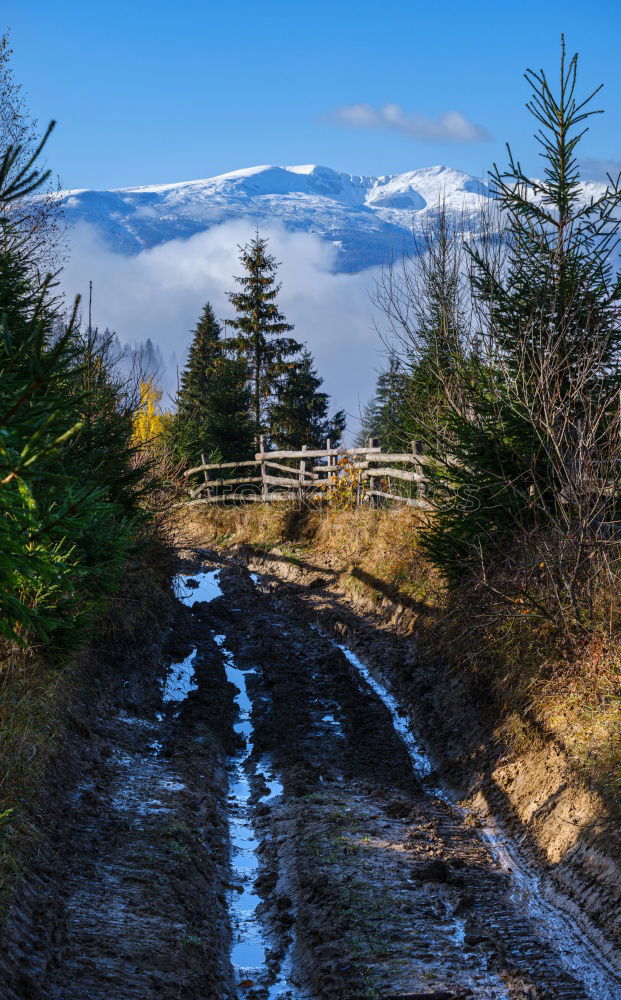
343 488
148 420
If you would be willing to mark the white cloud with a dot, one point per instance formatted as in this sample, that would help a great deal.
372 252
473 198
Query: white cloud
452 126
160 292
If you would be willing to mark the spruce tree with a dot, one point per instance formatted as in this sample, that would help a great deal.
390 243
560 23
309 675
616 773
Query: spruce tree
261 328
213 403
389 395
68 484
383 415
188 433
205 350
547 364
299 413
226 415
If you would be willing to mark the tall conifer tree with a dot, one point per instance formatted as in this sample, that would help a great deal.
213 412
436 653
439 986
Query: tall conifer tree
261 327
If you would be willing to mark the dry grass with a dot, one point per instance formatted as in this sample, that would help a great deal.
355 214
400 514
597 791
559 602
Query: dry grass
374 552
32 699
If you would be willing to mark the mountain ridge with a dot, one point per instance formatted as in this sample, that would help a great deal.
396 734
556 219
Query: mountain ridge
366 217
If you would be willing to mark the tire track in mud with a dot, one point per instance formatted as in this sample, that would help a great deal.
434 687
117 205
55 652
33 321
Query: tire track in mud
248 825
381 888
131 902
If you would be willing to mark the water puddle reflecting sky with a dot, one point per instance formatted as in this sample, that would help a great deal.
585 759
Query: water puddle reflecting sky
250 946
193 587
179 680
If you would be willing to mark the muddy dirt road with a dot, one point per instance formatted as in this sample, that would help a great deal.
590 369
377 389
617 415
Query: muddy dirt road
255 819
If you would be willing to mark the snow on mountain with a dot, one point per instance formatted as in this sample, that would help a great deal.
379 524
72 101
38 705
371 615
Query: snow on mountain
366 217
156 254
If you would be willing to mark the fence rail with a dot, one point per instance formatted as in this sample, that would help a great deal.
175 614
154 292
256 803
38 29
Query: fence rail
314 472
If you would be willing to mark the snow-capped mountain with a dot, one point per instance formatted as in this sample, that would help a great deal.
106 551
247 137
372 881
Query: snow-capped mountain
156 254
367 218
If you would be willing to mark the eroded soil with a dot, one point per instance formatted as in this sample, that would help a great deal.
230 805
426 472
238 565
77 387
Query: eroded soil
363 878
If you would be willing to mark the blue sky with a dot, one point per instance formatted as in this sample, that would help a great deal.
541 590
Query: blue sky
157 92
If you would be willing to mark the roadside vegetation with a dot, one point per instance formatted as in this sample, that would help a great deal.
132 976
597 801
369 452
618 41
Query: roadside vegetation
81 544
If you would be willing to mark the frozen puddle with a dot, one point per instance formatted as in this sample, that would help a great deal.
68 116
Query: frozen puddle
142 786
250 950
579 958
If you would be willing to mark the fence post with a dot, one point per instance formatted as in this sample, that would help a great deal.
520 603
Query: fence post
417 449
302 476
372 443
263 470
329 465
208 492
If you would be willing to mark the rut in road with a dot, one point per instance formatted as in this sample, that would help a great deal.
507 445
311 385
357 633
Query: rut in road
248 825
383 889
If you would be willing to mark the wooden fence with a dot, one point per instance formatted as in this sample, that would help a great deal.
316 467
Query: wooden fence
310 474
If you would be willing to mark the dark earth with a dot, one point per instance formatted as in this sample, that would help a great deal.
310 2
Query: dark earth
375 886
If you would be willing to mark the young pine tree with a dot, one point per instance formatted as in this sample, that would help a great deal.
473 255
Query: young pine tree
261 339
299 413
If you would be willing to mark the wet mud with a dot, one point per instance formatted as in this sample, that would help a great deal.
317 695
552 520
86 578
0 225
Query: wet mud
255 819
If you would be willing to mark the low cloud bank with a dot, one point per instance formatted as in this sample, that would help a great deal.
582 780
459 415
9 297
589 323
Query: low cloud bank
160 292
